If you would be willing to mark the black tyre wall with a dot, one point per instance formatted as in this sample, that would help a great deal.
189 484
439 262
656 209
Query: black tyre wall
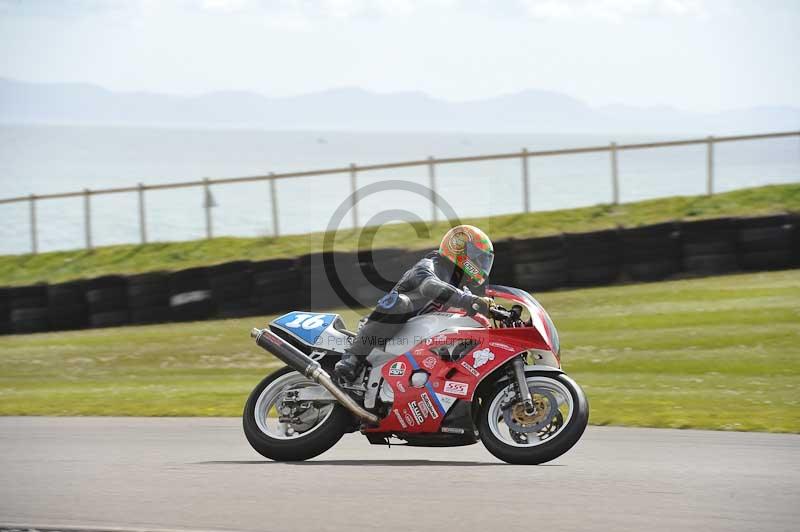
765 243
794 220
105 294
276 285
149 289
593 258
232 289
71 293
5 312
503 267
651 252
30 320
33 296
316 278
27 307
380 269
190 295
148 298
114 318
539 263
150 315
709 246
705 247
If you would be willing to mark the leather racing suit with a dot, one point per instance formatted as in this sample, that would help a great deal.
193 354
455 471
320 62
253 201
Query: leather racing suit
432 284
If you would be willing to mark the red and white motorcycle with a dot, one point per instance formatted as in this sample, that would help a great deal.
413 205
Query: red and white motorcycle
446 379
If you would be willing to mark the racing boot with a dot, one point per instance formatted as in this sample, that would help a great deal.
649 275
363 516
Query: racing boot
348 367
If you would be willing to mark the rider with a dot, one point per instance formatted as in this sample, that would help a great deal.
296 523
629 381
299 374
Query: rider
441 279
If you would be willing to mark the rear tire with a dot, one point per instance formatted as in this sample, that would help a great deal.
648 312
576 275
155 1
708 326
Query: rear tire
317 441
550 448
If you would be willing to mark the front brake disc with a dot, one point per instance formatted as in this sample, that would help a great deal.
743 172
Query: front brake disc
519 421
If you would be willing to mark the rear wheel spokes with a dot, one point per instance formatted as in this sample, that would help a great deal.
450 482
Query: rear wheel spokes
277 419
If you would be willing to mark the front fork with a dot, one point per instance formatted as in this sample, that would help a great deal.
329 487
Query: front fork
518 365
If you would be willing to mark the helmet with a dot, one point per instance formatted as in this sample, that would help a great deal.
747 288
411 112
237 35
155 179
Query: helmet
470 249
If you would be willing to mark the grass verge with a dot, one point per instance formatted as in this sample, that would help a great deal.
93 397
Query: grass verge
713 353
127 259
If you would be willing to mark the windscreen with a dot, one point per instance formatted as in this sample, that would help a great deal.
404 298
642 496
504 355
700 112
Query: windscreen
483 259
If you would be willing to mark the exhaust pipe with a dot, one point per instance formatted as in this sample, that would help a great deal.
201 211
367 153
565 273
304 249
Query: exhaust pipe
296 359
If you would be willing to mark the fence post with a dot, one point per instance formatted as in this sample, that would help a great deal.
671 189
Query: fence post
710 166
614 174
34 235
273 196
526 200
432 184
142 220
207 205
87 217
354 193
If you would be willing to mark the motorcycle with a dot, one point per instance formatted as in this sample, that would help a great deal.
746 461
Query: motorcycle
445 379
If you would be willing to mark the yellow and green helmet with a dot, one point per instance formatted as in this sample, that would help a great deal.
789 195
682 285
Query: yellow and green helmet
470 249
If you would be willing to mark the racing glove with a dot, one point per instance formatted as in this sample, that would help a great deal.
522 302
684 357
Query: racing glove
480 305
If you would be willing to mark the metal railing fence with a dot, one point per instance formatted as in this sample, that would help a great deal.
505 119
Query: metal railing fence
431 163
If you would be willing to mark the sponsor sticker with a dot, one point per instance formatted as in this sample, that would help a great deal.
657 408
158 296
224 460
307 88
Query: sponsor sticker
400 418
452 430
456 388
424 409
408 418
502 346
470 368
398 369
426 400
446 401
416 411
481 357
470 268
429 362
400 387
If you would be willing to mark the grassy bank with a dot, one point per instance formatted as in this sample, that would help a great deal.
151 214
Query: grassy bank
715 353
62 266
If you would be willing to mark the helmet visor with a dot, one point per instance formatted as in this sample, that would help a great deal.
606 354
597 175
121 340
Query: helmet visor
481 258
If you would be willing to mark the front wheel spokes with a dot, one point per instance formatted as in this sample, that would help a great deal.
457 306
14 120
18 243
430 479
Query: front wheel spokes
544 433
518 436
510 423
552 427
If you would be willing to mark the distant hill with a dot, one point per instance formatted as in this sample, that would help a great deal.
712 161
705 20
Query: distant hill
533 111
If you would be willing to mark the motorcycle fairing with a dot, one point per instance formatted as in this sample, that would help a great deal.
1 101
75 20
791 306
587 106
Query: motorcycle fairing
314 329
541 320
422 409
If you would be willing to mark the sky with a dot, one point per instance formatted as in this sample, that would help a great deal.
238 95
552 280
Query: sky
699 55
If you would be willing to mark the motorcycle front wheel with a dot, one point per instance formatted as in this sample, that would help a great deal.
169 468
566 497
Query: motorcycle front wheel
312 432
517 437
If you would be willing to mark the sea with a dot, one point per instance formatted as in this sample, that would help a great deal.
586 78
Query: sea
43 159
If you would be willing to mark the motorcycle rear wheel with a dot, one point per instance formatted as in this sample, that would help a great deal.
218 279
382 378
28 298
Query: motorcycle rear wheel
564 416
263 431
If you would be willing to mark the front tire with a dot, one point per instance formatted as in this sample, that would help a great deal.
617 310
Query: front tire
563 413
271 438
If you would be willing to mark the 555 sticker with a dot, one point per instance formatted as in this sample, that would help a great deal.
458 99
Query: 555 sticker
456 388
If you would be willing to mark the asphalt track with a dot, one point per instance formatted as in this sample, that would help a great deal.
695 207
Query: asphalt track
200 474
